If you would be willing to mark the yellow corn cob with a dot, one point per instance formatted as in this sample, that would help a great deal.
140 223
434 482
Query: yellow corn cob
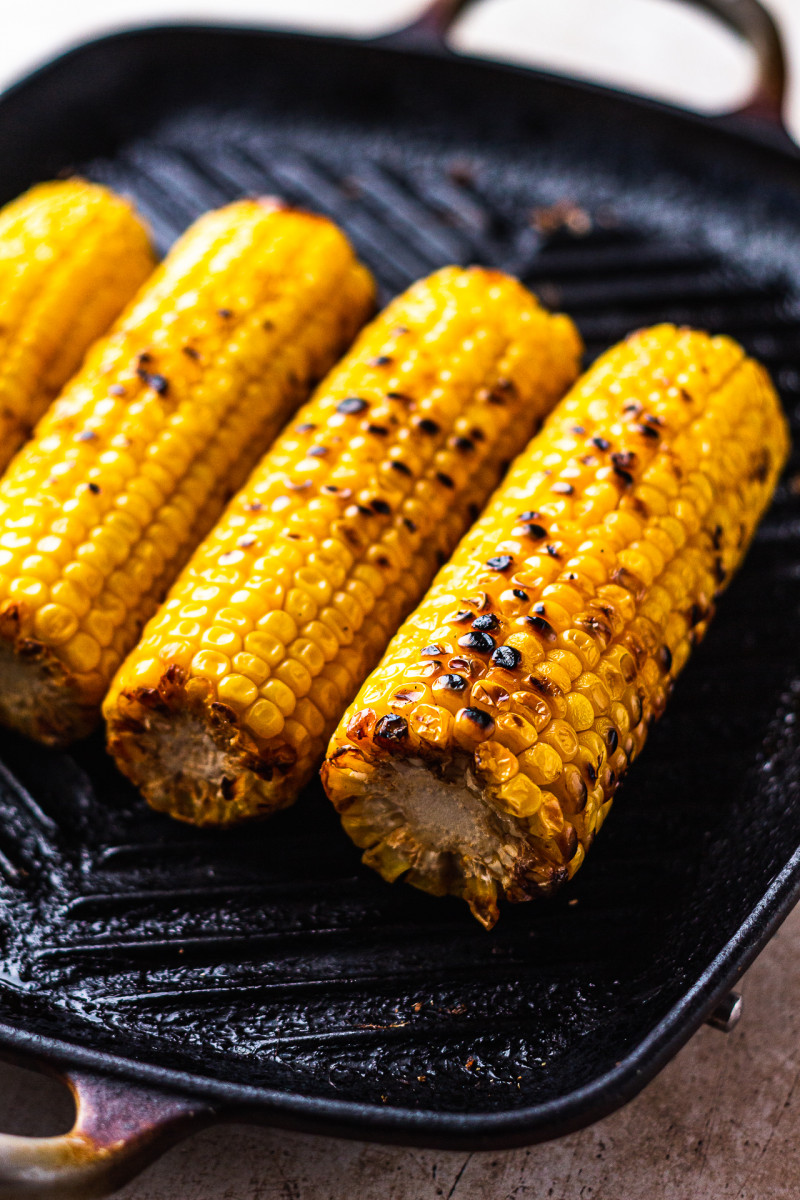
71 256
224 709
482 755
136 459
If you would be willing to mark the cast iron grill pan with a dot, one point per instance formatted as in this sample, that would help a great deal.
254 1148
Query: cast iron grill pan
267 966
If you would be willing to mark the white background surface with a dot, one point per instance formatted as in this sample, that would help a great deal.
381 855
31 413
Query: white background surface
722 1120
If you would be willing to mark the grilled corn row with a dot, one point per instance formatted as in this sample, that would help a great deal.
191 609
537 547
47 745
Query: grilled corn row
223 710
71 256
136 459
482 755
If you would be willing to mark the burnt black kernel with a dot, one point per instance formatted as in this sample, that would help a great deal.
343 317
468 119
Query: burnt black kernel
552 550
535 531
380 506
329 487
400 466
601 443
382 360
428 426
520 595
624 475
624 459
463 614
306 427
379 430
318 451
454 683
648 431
94 488
409 524
351 405
478 717
542 627
529 515
144 357
401 396
445 480
225 313
716 537
190 352
578 429
464 444
591 774
86 435
159 383
477 434
612 739
506 657
562 488
481 643
431 651
485 622
365 512
392 728
664 657
500 562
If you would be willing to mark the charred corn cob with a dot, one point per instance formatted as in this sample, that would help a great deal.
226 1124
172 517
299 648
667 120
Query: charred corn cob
224 709
482 755
136 459
71 256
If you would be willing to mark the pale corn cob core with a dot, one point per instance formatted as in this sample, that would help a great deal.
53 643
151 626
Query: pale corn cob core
136 459
224 709
483 753
72 254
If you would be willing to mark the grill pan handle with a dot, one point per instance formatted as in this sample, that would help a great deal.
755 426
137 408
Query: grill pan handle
748 18
119 1128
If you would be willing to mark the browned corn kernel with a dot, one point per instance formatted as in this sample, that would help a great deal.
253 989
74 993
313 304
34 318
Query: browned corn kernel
560 624
71 256
136 459
224 709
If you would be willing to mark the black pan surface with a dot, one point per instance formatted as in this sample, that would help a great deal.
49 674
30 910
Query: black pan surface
267 967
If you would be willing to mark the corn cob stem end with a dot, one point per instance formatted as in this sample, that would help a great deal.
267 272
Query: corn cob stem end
37 697
438 830
190 757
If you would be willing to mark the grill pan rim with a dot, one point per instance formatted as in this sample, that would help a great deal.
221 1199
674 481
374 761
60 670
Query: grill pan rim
756 133
448 1130
419 1126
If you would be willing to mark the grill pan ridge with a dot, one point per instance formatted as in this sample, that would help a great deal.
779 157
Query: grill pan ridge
267 967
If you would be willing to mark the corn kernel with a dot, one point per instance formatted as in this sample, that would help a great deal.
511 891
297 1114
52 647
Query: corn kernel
264 719
210 664
55 625
238 691
280 695
542 763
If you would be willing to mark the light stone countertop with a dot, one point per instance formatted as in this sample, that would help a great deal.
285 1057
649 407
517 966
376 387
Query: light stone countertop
723 1119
